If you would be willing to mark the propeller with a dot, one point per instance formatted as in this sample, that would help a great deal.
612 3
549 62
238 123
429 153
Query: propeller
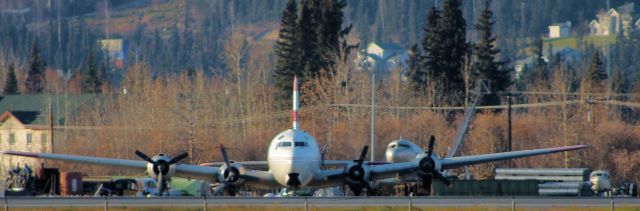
428 165
231 174
161 167
357 173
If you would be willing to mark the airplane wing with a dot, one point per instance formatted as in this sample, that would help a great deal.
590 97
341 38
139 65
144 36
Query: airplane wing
264 163
448 163
396 170
182 170
328 178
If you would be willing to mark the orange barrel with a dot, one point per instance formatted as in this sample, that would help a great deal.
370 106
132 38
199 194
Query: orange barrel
70 183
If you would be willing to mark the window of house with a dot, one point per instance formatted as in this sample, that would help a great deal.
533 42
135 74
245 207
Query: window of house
12 138
29 140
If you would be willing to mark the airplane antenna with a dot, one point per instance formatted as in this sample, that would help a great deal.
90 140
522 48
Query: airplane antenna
295 102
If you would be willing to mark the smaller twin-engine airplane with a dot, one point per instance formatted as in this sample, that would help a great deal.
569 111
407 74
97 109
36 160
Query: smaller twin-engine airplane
294 161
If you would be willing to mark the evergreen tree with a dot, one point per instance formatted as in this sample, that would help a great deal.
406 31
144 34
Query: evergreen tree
330 32
485 65
11 83
596 71
310 61
541 66
415 73
91 82
287 54
430 65
452 27
35 76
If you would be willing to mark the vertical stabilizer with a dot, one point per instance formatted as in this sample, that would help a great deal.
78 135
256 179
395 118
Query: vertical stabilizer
296 104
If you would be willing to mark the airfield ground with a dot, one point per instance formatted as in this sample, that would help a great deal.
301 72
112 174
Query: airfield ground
320 204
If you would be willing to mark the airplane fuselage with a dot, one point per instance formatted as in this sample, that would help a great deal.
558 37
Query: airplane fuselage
293 158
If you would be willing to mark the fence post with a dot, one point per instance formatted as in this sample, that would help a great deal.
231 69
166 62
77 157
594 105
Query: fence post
306 204
410 202
205 202
106 204
612 203
6 203
513 203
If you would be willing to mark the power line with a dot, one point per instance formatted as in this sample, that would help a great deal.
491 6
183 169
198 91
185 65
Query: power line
434 108
573 94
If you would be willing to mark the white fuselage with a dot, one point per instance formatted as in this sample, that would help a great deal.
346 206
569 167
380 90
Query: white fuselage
402 150
293 152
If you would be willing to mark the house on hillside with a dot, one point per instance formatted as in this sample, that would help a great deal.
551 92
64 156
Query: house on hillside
26 124
614 21
558 30
382 57
115 49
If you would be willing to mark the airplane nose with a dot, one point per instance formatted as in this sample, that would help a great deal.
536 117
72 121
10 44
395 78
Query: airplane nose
392 155
293 180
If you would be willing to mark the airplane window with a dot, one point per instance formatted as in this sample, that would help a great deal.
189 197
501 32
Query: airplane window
301 144
392 146
284 144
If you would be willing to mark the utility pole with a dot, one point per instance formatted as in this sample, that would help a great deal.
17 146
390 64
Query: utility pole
509 147
373 115
50 128
106 10
564 124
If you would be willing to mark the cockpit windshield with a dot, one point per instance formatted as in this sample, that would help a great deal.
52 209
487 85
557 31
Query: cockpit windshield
301 144
284 144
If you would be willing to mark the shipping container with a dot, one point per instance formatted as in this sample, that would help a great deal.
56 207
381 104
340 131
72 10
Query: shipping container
71 183
486 188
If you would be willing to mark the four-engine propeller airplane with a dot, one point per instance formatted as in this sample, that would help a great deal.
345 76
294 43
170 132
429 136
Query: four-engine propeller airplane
294 161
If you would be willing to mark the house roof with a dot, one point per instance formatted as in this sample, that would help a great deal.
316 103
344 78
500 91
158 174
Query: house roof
34 109
26 117
388 46
627 8
561 24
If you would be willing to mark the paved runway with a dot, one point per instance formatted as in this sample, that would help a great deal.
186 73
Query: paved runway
529 202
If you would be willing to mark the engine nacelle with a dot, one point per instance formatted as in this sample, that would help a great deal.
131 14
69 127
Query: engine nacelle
154 171
231 174
426 164
357 174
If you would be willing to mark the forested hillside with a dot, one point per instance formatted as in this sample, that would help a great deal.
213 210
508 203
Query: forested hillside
163 33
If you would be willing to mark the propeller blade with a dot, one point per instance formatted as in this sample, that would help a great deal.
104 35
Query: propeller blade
144 157
160 184
324 149
363 155
444 180
178 158
223 150
426 183
432 141
221 186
